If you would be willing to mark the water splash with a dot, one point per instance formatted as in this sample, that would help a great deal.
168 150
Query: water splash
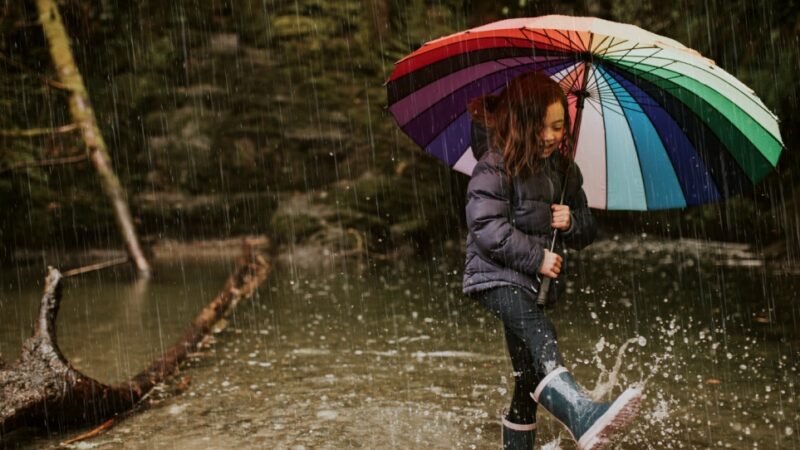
609 379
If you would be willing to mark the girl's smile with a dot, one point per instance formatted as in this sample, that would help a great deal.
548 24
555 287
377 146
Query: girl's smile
553 130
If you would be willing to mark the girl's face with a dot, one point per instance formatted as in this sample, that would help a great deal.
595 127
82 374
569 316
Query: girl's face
553 131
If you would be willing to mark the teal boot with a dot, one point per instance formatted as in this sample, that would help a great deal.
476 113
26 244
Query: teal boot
593 425
518 436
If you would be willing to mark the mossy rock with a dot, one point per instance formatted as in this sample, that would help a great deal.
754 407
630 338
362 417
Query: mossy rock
417 232
374 228
293 228
381 195
294 26
180 215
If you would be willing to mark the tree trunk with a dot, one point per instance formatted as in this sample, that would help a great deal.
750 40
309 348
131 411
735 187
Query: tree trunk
83 115
42 389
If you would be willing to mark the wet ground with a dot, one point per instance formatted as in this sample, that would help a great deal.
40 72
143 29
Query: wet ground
356 355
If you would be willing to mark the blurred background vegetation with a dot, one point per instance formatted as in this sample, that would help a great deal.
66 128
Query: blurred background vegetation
232 117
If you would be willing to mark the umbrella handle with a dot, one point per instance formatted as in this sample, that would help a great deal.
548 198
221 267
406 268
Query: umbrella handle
544 286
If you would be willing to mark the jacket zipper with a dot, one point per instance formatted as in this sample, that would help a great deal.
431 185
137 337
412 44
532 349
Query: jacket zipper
552 187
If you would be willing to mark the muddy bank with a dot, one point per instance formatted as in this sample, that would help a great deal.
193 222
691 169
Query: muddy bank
328 243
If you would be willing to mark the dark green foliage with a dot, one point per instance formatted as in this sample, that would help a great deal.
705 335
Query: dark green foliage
213 110
208 216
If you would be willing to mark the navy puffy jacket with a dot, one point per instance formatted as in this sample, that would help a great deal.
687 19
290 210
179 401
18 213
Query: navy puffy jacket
509 221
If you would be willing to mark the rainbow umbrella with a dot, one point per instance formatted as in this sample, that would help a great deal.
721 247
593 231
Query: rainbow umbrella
660 125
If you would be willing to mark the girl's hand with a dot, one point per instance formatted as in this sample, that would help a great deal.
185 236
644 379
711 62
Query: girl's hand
551 264
561 217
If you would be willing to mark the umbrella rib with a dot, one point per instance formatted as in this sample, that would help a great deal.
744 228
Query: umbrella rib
602 93
592 66
621 102
589 86
614 44
543 33
601 104
636 47
515 58
651 68
538 32
570 73
570 42
585 77
601 43
573 44
598 105
569 76
624 104
572 77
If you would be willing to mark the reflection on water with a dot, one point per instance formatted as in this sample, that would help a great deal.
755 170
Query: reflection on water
395 357
110 324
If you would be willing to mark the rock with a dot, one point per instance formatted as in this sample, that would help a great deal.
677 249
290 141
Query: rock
224 43
294 26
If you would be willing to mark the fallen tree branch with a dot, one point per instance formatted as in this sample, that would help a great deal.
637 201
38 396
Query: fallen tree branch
43 390
91 433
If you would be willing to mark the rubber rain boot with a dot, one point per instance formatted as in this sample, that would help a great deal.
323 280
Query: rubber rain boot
593 425
517 436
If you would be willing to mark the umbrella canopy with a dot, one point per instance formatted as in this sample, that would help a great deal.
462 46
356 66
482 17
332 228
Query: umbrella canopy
661 127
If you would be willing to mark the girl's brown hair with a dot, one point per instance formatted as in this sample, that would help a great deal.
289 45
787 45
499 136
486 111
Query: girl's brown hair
515 117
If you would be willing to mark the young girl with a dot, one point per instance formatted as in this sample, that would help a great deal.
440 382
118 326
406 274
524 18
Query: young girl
512 208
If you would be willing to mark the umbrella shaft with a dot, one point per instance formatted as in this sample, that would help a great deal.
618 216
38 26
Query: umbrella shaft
582 94
544 286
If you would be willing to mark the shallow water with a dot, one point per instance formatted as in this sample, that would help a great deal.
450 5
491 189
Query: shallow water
353 355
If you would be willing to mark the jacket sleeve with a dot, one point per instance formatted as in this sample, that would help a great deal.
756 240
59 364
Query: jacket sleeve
488 203
583 230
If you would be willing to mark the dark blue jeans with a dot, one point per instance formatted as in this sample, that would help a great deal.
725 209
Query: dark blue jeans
531 340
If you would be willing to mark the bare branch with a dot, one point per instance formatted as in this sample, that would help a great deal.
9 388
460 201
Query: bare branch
91 433
98 266
45 163
33 132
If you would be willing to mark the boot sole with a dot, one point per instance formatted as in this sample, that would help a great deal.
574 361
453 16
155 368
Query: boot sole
611 424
